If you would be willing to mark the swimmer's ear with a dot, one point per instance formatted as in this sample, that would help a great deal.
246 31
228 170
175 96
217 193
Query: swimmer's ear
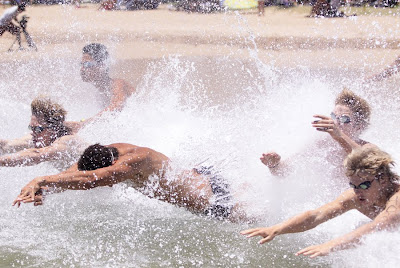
382 179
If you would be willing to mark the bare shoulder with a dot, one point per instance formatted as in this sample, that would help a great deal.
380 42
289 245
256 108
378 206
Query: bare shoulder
126 149
123 85
391 211
394 200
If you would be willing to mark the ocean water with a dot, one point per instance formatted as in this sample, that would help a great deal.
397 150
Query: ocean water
183 109
220 111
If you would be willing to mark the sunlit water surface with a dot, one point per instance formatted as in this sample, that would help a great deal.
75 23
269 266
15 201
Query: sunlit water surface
223 112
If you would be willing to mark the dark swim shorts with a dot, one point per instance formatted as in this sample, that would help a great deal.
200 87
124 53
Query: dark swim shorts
222 207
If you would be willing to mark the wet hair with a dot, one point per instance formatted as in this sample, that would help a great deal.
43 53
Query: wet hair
357 105
372 160
97 156
97 51
52 113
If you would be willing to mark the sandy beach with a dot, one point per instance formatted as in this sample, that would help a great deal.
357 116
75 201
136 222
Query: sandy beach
284 37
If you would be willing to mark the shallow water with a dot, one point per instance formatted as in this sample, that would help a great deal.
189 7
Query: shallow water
220 111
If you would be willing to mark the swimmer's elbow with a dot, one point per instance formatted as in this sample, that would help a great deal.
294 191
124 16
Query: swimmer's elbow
316 217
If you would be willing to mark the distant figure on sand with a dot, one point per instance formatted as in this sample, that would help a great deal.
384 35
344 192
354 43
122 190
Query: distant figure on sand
77 3
326 8
108 5
6 22
200 190
348 120
261 7
49 140
375 193
95 70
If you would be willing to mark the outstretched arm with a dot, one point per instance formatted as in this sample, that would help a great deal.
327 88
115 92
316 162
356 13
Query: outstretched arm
306 220
12 146
387 219
126 167
121 90
34 156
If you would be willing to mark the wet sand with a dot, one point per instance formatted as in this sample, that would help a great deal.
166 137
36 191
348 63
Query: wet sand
283 37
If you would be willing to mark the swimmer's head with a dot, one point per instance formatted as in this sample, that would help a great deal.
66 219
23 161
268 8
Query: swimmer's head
97 156
52 113
94 64
97 51
47 122
369 159
370 173
358 106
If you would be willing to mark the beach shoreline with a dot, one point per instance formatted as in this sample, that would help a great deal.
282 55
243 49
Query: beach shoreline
284 38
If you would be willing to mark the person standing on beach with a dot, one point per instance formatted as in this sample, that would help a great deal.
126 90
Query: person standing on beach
6 23
95 70
348 120
326 8
261 7
374 192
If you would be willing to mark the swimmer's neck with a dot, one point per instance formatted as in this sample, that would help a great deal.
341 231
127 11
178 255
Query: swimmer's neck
103 84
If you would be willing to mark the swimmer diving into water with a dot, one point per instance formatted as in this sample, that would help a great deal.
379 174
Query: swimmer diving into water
347 122
50 138
95 70
375 193
198 190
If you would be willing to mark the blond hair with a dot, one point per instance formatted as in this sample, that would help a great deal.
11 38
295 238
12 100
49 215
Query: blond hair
370 159
357 105
52 113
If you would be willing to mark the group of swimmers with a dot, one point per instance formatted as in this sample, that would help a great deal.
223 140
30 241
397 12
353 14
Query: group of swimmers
374 186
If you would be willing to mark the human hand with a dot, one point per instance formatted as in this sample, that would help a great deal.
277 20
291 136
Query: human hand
32 192
270 159
326 124
316 250
268 233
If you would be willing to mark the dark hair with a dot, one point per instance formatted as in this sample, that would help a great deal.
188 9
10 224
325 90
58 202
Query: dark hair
97 156
97 51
